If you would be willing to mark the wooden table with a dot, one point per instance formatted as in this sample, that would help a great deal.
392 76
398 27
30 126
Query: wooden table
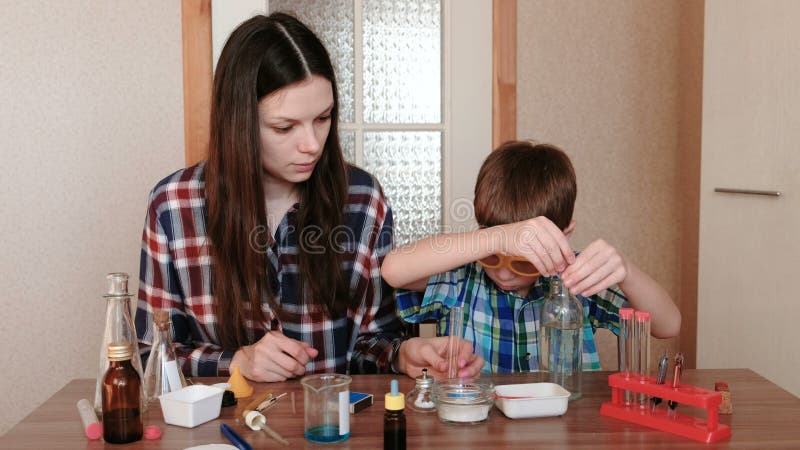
764 416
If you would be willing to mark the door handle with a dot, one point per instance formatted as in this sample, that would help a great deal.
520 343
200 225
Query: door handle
748 192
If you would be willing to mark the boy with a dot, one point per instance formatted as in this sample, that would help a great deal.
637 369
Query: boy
499 274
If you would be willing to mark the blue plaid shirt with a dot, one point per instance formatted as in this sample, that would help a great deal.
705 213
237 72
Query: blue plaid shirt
503 326
175 274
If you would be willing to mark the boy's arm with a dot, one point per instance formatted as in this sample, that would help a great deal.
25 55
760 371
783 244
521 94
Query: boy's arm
600 266
646 294
537 239
410 266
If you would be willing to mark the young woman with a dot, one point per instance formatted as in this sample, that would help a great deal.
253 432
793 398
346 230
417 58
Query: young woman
268 254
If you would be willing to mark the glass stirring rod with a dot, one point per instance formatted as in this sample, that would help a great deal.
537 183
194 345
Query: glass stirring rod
456 322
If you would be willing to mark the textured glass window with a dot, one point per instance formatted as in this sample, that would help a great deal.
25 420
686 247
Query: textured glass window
348 142
332 21
400 76
408 166
402 61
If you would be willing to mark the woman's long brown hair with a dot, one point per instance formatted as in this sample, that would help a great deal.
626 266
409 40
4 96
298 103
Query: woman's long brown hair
263 55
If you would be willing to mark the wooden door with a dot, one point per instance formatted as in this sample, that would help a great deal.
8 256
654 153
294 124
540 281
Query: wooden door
749 247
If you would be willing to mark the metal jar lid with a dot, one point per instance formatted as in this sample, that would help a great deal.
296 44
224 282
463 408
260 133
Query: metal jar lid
424 380
119 351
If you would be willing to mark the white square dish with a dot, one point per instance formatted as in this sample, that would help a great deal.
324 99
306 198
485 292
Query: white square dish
532 400
192 405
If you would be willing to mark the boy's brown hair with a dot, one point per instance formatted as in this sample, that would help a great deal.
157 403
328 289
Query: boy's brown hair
521 180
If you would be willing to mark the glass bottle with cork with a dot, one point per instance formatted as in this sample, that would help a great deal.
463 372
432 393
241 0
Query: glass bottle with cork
561 340
121 397
162 373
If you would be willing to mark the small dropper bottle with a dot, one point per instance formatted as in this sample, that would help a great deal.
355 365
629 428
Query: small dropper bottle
394 421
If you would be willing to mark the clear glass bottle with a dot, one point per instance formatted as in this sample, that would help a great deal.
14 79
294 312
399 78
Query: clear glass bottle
561 338
419 398
162 373
119 328
121 397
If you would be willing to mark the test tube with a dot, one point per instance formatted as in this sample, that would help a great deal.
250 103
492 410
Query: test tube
626 345
456 322
642 334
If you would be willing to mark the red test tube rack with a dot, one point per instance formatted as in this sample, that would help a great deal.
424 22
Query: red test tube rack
704 430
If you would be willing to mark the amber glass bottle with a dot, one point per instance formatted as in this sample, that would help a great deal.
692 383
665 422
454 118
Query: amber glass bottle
394 421
122 400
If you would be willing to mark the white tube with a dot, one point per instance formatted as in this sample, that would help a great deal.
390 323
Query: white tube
91 426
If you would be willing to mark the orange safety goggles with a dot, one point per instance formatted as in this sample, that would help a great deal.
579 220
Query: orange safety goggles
516 264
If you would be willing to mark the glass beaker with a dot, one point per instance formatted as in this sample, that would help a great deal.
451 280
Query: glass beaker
326 402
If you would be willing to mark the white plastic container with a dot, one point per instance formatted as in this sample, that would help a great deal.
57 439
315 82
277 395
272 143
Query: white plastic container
192 405
533 400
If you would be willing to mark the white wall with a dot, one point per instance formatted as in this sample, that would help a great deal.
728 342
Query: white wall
91 118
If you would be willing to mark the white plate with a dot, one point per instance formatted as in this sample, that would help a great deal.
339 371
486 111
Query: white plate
540 400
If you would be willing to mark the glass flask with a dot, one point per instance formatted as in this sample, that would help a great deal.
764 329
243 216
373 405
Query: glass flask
121 397
162 373
419 398
119 328
561 338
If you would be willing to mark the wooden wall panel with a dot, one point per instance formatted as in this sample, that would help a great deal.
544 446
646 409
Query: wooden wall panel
197 76
504 71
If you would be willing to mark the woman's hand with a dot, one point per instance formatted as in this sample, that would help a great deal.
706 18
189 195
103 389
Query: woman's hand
539 240
431 353
274 357
597 267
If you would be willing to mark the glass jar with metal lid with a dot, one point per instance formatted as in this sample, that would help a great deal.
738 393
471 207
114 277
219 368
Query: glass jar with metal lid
419 399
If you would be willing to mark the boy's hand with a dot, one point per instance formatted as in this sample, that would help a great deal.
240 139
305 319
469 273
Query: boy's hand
541 242
597 267
431 353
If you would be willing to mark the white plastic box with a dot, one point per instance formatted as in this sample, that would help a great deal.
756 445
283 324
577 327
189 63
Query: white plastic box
534 400
192 405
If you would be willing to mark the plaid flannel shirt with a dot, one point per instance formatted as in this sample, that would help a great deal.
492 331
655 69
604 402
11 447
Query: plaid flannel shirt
503 326
175 274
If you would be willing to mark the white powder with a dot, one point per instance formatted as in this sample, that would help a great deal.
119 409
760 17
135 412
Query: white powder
463 413
421 403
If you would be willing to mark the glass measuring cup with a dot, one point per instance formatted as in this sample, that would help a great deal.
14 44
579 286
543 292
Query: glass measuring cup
326 401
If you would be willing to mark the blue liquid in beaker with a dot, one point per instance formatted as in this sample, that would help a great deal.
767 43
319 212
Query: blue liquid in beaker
325 434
